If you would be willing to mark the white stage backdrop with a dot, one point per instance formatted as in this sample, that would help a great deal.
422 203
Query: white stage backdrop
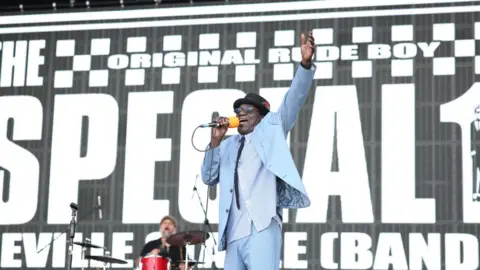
104 104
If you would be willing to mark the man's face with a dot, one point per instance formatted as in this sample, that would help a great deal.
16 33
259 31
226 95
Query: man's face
249 118
477 113
167 228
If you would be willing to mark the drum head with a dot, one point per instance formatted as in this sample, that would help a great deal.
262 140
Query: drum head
156 256
151 256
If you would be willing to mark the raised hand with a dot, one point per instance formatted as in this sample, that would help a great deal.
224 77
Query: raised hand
308 49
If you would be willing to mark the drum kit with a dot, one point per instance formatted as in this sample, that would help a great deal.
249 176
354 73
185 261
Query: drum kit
154 262
151 262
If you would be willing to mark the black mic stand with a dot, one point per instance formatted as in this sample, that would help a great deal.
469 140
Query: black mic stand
206 224
67 229
71 230
71 235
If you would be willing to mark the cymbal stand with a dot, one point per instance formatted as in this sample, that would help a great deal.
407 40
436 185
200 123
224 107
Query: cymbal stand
107 254
84 250
186 244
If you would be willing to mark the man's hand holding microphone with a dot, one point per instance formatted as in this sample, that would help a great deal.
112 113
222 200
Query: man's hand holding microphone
220 129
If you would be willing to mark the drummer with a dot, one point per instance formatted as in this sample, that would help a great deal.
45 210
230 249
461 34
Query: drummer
168 226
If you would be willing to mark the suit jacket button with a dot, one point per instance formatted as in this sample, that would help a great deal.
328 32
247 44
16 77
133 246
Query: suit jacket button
226 210
231 190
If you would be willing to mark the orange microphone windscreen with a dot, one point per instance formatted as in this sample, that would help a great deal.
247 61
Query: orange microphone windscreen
233 122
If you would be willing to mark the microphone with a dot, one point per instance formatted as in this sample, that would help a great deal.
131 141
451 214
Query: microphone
233 122
99 206
74 206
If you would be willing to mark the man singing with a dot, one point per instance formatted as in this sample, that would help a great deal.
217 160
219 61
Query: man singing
257 173
168 226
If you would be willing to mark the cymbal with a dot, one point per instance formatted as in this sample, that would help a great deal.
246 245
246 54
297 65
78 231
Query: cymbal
188 237
105 259
190 262
86 245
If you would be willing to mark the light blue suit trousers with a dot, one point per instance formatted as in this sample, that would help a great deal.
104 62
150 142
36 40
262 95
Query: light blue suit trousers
259 251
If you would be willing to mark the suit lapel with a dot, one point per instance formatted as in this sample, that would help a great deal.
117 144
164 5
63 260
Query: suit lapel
258 143
232 152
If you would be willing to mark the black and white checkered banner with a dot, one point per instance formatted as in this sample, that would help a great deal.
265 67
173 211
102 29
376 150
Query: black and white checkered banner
401 51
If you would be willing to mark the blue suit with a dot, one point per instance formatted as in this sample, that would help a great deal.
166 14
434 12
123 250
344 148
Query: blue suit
269 141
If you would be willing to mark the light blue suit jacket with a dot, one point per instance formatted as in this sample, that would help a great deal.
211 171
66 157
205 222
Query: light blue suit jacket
269 139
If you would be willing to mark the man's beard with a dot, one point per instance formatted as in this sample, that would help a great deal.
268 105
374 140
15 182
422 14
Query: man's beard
166 234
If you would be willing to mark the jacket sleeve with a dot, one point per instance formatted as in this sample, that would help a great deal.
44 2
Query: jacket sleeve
146 249
211 166
295 97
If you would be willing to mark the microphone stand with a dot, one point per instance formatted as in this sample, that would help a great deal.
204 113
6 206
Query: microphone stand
215 115
71 230
69 226
206 223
